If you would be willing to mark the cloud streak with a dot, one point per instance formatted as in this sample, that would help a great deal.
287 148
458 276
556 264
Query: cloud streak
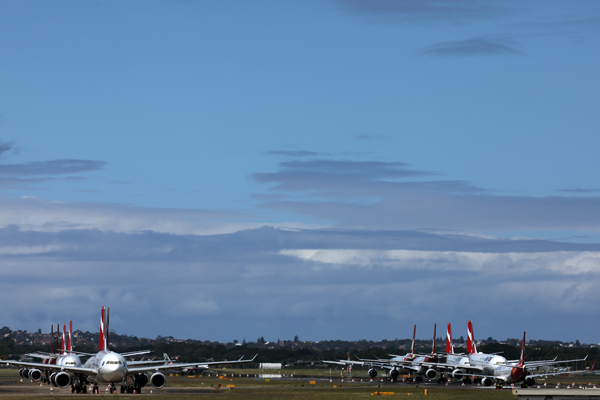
472 47
429 9
379 195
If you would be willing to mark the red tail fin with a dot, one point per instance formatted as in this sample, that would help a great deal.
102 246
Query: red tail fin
101 340
70 343
63 345
433 346
57 337
522 358
412 347
106 331
449 345
471 346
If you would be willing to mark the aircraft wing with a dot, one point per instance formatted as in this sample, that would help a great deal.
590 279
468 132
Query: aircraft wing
135 353
200 365
51 367
552 362
343 362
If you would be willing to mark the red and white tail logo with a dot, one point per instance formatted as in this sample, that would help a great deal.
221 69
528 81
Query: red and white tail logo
412 348
433 346
522 358
101 339
64 341
51 339
471 346
70 343
103 342
449 345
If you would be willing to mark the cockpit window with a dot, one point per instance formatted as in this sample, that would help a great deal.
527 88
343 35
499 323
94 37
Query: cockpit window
499 363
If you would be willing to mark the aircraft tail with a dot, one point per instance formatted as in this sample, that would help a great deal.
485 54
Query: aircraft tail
433 345
412 347
103 341
449 344
70 342
471 346
63 345
522 358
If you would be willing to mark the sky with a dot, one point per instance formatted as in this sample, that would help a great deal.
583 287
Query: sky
332 169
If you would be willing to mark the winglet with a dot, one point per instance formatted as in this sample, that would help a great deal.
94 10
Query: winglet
254 357
592 368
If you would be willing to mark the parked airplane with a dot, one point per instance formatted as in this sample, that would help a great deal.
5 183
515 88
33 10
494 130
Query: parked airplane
411 363
108 367
492 367
64 357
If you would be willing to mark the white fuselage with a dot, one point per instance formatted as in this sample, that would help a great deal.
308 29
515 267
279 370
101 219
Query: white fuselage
498 367
71 360
458 360
109 367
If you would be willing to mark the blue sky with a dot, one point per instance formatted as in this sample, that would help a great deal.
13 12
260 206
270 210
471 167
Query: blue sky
327 169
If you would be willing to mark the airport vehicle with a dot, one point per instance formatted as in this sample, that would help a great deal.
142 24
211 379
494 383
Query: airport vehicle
108 367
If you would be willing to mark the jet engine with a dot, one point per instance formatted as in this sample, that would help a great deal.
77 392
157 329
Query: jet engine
60 379
24 372
141 380
431 373
158 380
486 382
394 374
458 374
372 372
529 381
35 374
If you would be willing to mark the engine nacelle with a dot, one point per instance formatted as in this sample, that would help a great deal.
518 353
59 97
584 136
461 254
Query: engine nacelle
529 381
431 373
60 379
372 372
35 374
458 374
486 382
24 373
394 373
158 380
141 380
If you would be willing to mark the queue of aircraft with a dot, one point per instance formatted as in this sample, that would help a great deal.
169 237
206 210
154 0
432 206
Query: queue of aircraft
64 369
473 366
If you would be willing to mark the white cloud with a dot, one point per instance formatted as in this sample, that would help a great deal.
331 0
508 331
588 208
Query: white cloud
560 262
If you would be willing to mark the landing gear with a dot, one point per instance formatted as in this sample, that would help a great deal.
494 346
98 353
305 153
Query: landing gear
499 385
467 381
78 387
